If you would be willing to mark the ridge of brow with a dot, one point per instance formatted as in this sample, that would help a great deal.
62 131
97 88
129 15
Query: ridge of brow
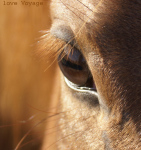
84 5
80 12
72 11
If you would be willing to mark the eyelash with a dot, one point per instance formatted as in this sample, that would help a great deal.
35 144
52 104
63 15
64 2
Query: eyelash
49 46
71 61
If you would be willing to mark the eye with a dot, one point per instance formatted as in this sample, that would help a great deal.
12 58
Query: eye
74 67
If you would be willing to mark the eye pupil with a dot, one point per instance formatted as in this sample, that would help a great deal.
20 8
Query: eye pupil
74 67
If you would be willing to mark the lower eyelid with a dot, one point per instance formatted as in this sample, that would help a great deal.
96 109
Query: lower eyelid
87 95
79 89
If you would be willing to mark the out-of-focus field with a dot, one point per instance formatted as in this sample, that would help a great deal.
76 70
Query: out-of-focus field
24 85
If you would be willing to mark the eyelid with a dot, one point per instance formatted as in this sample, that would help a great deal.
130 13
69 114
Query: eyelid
80 89
65 33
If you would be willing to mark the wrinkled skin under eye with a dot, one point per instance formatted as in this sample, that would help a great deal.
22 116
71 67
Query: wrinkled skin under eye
74 67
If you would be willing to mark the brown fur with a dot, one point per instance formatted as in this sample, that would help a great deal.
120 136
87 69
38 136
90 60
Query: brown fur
25 86
108 34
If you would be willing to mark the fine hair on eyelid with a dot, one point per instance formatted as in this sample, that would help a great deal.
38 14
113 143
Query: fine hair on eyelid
51 46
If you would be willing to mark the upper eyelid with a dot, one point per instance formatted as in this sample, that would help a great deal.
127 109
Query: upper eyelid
65 34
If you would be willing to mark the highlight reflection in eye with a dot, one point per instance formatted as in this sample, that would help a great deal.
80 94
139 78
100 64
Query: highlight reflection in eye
74 67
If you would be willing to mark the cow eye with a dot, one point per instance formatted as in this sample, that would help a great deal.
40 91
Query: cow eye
74 67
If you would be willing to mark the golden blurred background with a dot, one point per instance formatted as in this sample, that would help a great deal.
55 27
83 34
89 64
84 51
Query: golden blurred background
25 86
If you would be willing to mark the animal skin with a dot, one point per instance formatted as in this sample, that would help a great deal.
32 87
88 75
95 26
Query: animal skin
103 37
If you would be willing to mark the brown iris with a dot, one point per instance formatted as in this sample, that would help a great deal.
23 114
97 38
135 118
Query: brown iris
74 67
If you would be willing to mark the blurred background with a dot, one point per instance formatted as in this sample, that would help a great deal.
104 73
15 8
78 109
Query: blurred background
25 86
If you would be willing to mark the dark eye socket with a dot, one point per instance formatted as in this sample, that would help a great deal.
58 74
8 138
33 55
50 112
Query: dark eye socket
74 67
